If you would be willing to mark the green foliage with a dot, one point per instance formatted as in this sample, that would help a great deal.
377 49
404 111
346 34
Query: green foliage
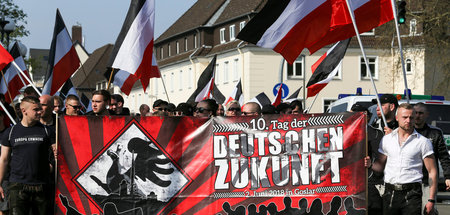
9 9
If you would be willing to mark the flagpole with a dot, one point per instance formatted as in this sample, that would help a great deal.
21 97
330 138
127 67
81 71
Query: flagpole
164 85
352 16
307 110
394 12
7 113
26 78
110 77
9 93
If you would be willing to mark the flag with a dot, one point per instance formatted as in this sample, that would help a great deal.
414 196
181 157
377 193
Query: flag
122 79
277 99
293 96
326 67
133 50
236 95
261 99
14 81
86 102
67 89
5 57
206 88
63 59
288 27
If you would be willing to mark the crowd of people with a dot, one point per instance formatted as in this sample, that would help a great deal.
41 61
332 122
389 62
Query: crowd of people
402 161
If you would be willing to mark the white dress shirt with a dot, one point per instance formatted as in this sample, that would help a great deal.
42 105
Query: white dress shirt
404 163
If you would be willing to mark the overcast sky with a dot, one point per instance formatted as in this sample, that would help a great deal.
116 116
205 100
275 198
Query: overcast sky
101 20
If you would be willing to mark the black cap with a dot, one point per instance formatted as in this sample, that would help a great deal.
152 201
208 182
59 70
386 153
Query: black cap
387 98
358 107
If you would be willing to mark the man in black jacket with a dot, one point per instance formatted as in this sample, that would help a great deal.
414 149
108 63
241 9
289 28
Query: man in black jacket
439 147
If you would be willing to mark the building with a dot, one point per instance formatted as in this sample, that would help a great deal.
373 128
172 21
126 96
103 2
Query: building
209 28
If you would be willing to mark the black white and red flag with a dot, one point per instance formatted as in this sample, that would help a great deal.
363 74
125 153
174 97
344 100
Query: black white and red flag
326 67
288 27
293 96
236 95
63 59
122 79
14 81
133 50
206 88
261 99
234 165
86 102
67 89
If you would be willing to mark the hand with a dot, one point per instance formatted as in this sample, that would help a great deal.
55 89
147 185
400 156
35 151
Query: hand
447 183
367 162
387 130
2 194
429 207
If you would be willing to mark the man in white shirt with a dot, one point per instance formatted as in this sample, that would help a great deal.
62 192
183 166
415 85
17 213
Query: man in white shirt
403 152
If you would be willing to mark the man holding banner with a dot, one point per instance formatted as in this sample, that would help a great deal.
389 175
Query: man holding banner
403 153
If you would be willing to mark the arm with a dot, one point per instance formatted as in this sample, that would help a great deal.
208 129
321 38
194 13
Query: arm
4 159
432 171
444 158
378 165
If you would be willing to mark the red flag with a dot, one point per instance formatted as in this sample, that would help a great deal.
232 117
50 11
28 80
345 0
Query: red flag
5 58
277 100
63 59
289 26
14 82
133 51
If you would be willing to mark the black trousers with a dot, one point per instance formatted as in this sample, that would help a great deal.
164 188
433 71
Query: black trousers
406 201
375 202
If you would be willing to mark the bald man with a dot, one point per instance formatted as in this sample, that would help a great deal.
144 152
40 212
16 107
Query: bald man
251 109
47 116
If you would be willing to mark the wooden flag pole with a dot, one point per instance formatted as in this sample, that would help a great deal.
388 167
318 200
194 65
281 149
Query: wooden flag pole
352 16
394 12
110 77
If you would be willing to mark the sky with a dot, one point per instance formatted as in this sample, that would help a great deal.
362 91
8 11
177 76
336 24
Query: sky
101 20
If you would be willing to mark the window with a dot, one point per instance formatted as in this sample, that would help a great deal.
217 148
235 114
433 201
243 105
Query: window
217 74
225 72
232 37
295 71
195 41
178 47
156 85
373 65
326 104
338 75
408 66
235 69
222 35
241 25
185 44
164 79
190 78
180 81
412 27
162 52
168 52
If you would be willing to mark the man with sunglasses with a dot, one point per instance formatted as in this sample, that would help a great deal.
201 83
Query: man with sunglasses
206 108
72 105
160 108
233 108
251 109
389 105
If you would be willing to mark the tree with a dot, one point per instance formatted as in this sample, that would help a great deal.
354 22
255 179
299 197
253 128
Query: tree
9 9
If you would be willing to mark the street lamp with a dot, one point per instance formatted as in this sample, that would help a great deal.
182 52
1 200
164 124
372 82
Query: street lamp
7 26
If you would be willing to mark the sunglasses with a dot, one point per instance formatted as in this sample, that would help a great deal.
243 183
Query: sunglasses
75 106
201 109
248 113
236 109
161 109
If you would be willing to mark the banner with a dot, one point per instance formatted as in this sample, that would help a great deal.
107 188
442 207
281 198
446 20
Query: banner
287 164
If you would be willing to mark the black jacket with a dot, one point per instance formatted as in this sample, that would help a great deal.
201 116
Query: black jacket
439 149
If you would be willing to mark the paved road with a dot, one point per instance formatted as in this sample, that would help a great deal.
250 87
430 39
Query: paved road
444 207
